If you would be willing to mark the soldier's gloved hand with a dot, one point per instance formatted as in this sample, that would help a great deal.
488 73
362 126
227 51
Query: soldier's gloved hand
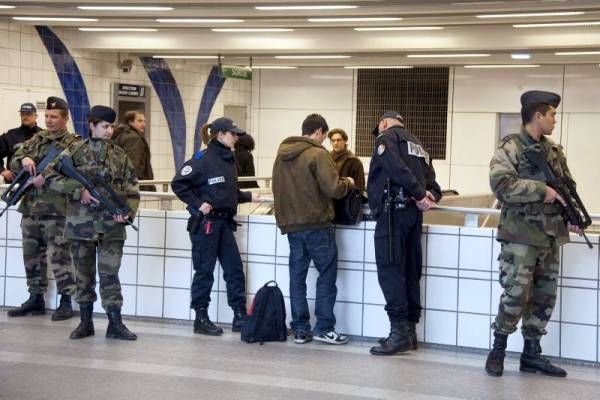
574 228
38 181
121 219
8 175
552 195
87 198
29 165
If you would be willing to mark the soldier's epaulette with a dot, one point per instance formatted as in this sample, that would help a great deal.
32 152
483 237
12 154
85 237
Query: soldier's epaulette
507 139
199 154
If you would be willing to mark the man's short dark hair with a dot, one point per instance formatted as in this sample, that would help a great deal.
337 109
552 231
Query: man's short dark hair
528 112
312 123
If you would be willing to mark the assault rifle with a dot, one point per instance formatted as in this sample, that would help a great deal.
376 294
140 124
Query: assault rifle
113 203
22 182
574 211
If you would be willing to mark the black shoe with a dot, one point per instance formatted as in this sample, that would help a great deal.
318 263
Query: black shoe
86 326
494 364
64 310
203 324
532 360
301 337
34 305
413 335
116 329
398 341
239 316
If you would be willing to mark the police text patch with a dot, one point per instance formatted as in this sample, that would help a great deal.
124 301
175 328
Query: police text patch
186 170
218 179
417 151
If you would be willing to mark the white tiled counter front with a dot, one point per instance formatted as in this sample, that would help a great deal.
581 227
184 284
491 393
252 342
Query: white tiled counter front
460 289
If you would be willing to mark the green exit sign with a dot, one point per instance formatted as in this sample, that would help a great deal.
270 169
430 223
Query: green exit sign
236 72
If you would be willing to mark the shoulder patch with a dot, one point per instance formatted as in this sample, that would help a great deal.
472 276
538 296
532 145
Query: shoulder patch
186 170
199 155
381 149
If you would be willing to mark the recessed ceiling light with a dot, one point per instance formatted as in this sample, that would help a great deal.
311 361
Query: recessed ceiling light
535 14
380 67
478 3
125 8
354 19
401 28
273 67
310 56
331 7
503 66
199 20
252 30
184 56
3 6
556 24
520 56
577 53
118 29
446 55
56 19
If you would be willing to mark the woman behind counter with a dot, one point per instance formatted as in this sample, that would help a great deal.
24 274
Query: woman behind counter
207 183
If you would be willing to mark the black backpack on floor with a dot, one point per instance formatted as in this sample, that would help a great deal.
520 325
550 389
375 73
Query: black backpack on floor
266 317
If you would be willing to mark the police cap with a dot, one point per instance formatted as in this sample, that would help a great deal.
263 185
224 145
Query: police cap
388 114
533 97
225 124
56 103
27 108
103 113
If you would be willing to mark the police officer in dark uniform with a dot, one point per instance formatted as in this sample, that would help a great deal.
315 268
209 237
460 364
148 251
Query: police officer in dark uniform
208 185
13 138
401 185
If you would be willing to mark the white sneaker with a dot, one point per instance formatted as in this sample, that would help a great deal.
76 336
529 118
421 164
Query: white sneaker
332 337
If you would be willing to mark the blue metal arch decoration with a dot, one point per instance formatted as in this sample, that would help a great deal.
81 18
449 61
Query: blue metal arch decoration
214 84
168 93
70 79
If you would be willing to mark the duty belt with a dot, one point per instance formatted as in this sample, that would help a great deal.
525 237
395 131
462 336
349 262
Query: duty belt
222 213
536 208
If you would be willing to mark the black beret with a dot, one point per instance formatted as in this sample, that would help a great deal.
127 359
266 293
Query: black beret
103 113
56 103
27 108
225 124
388 114
533 97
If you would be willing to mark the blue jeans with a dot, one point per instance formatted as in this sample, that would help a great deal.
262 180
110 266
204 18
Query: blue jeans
317 245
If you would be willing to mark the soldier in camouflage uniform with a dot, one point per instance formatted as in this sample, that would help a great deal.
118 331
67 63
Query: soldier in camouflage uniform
92 229
531 231
43 219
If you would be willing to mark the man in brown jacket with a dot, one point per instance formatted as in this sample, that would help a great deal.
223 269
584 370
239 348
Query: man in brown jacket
304 183
129 135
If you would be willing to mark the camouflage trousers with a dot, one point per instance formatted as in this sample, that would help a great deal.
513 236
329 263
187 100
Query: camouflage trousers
528 275
43 245
109 254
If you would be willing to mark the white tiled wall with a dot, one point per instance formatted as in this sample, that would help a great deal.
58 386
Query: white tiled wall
460 289
27 75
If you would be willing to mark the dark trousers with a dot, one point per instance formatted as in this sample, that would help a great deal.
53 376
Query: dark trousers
206 249
399 277
317 245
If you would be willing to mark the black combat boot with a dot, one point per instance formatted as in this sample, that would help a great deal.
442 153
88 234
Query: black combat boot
239 316
398 342
64 310
203 324
35 305
116 329
413 336
533 361
494 365
86 326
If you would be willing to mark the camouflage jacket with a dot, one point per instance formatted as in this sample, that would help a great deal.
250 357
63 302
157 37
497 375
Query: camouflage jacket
101 159
43 201
520 186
